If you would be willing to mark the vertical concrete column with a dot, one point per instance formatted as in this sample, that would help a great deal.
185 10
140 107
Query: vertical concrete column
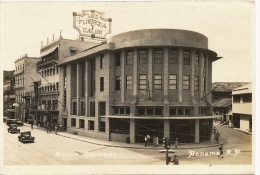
192 75
61 93
180 74
166 130
107 129
135 74
68 101
87 87
150 71
79 86
166 81
135 84
197 131
132 130
122 60
201 74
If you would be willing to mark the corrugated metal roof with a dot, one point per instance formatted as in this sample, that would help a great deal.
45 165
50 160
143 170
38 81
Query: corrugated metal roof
223 102
227 86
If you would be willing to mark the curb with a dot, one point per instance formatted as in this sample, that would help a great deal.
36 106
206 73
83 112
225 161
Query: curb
131 147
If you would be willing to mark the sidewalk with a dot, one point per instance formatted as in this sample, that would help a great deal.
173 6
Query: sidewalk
205 144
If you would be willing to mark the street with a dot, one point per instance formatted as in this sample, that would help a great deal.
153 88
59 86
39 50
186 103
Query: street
52 149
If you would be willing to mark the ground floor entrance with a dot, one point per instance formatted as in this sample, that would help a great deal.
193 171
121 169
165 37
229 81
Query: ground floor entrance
151 127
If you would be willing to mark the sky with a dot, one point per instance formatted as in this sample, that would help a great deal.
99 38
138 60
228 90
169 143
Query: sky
228 25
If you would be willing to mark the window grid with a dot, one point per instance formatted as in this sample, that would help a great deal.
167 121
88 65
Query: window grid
158 81
142 82
173 81
186 82
143 56
173 57
196 83
186 58
118 84
158 56
129 57
129 82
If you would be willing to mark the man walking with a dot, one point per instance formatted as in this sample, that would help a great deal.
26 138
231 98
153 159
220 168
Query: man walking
217 135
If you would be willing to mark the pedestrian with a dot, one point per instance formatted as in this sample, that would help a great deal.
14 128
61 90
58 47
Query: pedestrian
212 138
154 141
148 139
50 127
157 141
214 130
32 123
176 142
56 128
145 141
217 135
221 151
175 160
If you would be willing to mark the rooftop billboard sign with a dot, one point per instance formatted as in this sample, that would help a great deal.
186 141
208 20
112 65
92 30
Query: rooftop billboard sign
91 23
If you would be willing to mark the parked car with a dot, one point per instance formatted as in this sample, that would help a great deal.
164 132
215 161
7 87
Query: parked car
19 123
10 121
26 137
13 128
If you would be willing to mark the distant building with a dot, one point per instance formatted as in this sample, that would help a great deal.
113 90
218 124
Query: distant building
8 93
50 107
242 107
222 98
154 81
25 74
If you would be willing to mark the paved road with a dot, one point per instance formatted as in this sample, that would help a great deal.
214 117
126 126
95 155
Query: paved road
51 149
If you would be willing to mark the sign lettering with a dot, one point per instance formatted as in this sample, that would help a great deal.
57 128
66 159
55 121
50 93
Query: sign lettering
91 23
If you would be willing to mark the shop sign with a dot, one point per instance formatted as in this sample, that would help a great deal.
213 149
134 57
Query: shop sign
91 23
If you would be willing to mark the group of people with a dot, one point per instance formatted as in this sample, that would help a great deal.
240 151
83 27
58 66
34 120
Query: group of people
51 125
154 140
215 136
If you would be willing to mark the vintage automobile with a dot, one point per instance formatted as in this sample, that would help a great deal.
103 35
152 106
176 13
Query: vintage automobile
13 128
19 123
26 137
10 121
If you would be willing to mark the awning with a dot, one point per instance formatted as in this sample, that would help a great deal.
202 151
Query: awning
47 52
164 118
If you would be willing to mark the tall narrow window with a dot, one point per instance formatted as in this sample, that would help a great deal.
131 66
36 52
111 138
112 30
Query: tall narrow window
81 123
129 82
204 84
172 81
158 56
129 57
102 108
186 58
101 83
196 58
117 59
173 57
143 56
74 108
91 125
186 82
92 109
196 83
82 108
158 81
142 82
101 61
118 83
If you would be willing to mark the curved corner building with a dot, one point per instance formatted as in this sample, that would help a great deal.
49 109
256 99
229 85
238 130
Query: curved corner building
154 81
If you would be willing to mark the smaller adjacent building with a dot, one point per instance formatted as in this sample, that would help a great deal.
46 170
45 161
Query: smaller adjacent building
242 107
222 98
25 75
8 93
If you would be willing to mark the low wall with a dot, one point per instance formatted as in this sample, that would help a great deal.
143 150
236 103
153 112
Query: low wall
119 137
